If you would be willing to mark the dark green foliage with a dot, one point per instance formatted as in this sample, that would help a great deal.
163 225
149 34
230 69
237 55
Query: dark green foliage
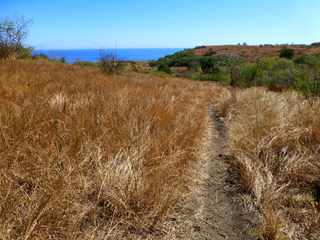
203 68
205 64
209 65
286 53
171 59
163 67
310 60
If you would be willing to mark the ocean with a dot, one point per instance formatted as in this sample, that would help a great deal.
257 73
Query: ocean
93 55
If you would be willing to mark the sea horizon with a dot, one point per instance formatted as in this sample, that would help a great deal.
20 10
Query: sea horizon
93 55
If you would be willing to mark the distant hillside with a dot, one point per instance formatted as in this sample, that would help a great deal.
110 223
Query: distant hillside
278 67
251 53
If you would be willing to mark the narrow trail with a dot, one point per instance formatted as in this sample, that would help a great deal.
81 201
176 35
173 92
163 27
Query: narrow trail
224 216
214 211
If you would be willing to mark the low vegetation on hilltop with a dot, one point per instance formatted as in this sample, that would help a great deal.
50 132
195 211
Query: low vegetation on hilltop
290 69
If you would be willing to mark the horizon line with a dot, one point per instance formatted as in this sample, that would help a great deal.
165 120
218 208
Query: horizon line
112 48
205 45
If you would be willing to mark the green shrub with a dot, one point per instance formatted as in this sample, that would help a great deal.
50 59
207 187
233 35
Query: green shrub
286 53
163 67
209 65
248 73
309 59
275 73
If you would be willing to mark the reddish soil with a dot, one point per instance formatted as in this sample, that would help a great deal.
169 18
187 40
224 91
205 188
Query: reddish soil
253 52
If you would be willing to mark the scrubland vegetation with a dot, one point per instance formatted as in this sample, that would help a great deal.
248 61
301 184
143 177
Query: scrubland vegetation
274 139
290 69
84 154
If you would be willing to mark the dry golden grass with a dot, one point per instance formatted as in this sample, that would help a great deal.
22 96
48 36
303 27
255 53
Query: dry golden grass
89 156
275 138
86 156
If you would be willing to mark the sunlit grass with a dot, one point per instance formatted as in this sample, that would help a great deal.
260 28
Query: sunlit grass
85 155
275 138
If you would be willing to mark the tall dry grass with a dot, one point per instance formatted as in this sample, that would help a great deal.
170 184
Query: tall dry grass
275 138
87 156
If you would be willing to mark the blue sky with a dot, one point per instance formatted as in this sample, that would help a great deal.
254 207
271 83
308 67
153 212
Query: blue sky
165 23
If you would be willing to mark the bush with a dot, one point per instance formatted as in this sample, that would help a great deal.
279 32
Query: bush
209 65
248 74
287 53
310 60
109 63
164 68
24 52
275 73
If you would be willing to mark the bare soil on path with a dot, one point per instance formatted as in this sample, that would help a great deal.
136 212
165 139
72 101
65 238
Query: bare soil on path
214 210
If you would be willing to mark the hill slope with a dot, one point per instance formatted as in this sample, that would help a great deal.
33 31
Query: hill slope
252 53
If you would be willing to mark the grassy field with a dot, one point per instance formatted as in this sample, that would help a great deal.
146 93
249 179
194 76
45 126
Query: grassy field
85 155
274 139
89 156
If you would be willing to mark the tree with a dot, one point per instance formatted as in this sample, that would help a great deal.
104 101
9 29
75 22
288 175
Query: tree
12 36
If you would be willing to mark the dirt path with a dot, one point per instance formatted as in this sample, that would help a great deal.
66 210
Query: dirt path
214 211
224 216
